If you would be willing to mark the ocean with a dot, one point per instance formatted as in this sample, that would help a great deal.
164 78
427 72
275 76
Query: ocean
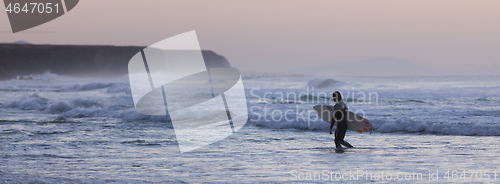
61 129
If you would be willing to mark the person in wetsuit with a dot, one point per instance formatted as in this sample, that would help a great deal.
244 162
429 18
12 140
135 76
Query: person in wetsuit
339 116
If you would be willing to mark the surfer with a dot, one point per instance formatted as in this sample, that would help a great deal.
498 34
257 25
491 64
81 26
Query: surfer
339 112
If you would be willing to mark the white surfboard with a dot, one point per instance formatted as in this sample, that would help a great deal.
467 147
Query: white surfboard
354 122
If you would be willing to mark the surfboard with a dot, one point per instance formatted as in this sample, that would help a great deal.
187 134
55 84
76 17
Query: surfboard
354 122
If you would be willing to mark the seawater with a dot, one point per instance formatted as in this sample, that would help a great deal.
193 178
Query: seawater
57 129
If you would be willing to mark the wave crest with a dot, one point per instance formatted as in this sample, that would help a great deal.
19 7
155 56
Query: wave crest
324 83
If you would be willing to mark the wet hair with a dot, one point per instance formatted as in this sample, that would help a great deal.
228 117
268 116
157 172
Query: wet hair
338 95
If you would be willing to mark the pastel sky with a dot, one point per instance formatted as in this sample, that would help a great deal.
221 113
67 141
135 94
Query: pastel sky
286 35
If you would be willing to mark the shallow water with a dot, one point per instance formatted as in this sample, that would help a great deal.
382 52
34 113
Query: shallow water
56 129
146 154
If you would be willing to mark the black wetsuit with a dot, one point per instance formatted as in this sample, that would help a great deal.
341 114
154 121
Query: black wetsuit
340 118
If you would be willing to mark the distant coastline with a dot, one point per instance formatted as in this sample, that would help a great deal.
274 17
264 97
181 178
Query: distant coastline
76 60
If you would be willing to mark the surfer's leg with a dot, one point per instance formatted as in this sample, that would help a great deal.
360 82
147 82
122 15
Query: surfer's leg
340 133
346 144
337 138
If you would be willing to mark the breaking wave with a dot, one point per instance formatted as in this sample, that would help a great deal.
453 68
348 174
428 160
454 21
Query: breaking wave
325 83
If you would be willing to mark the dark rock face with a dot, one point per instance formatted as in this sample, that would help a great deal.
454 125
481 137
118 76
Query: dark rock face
80 61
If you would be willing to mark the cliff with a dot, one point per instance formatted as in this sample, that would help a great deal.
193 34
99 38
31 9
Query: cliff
75 60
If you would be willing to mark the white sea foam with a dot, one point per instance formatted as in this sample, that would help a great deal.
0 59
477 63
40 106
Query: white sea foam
431 110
